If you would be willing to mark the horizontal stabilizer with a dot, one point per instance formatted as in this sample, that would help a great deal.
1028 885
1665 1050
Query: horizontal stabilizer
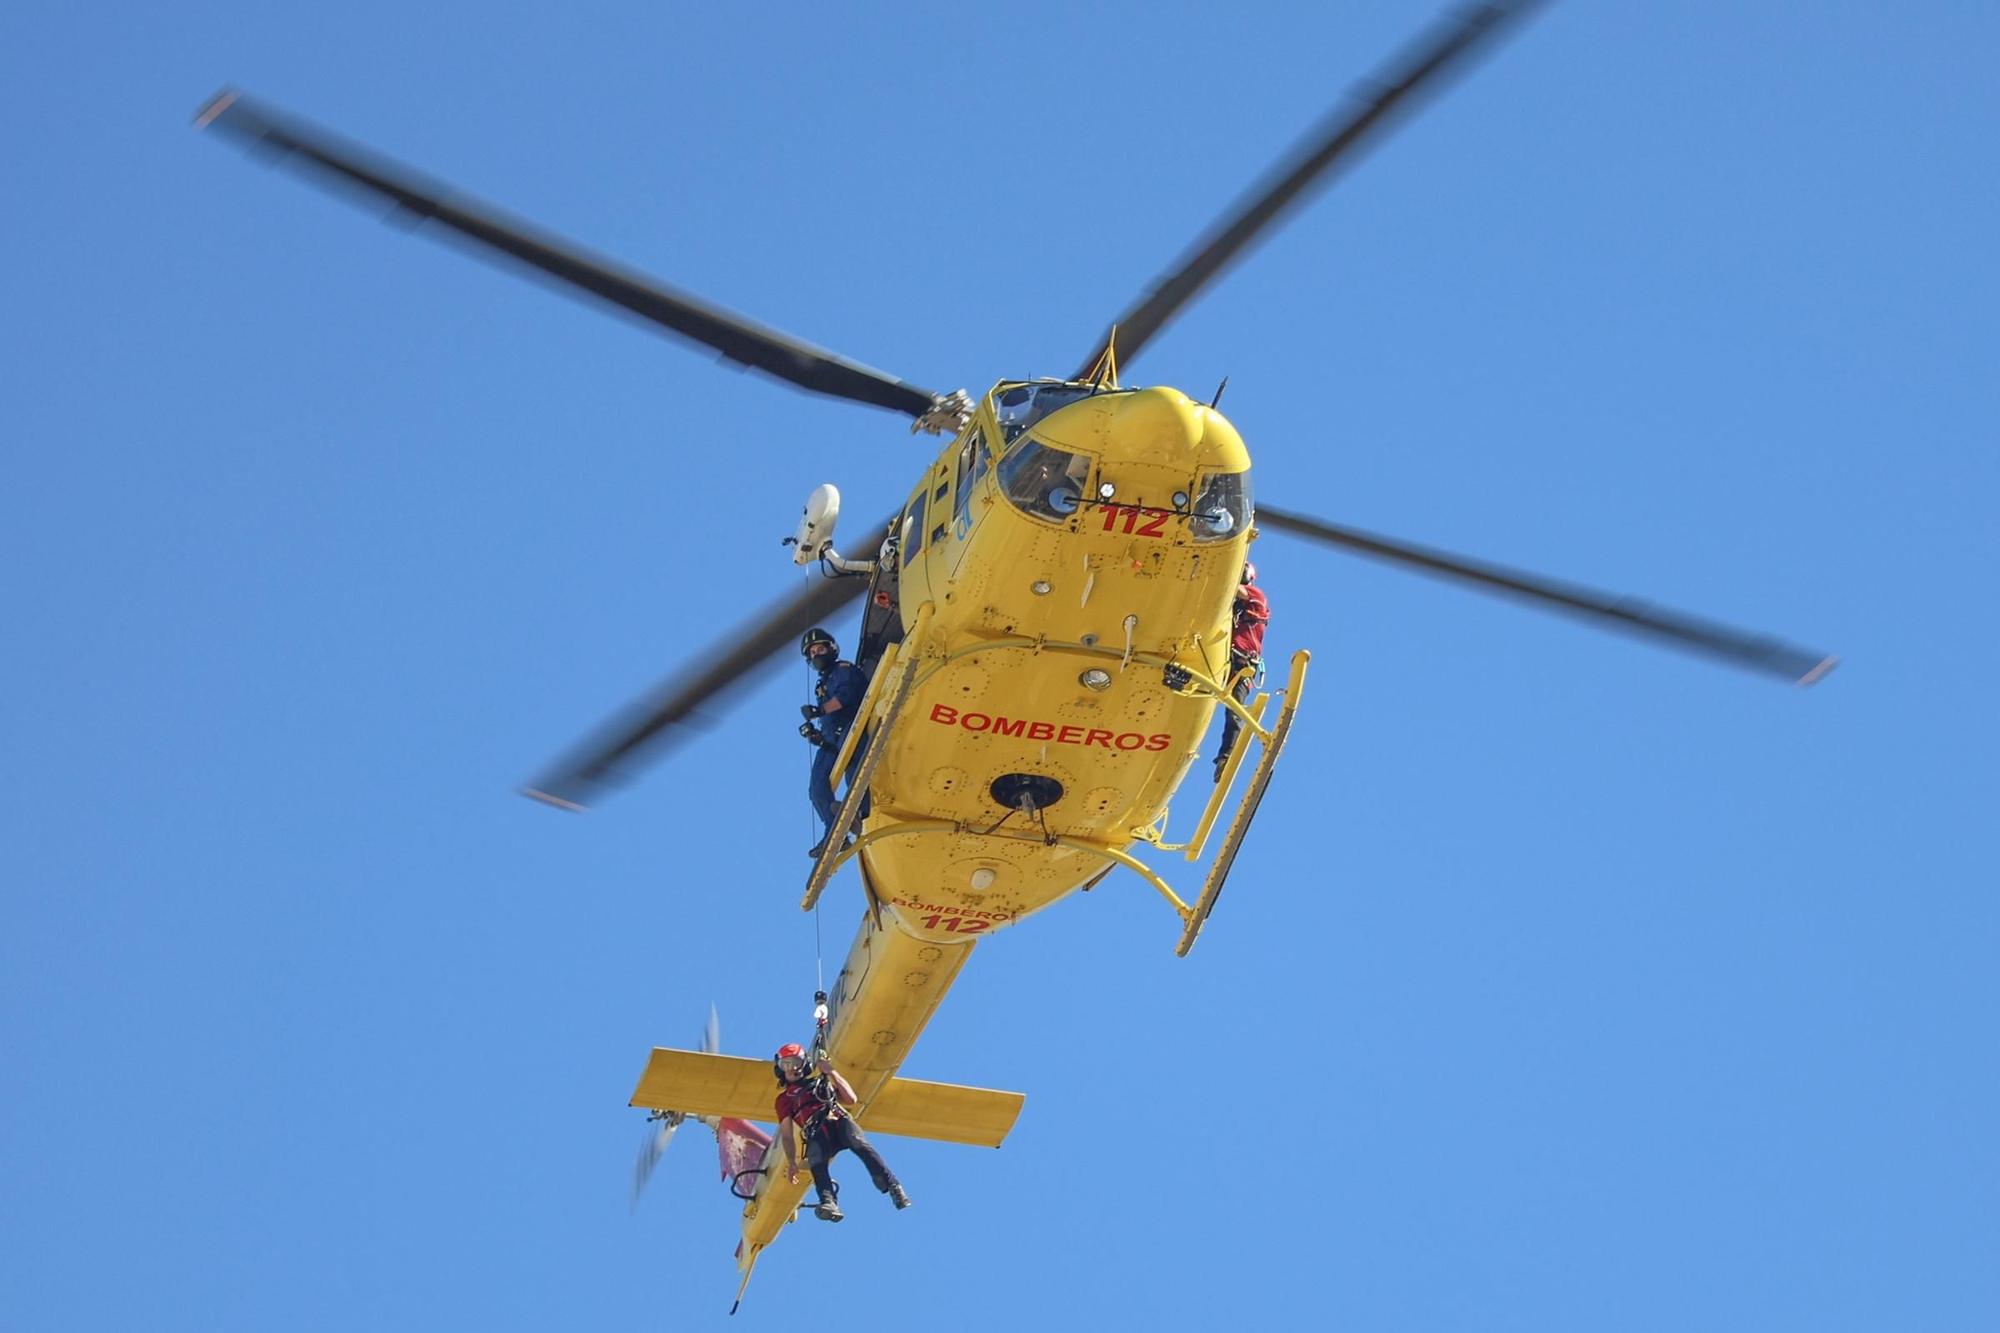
696 1083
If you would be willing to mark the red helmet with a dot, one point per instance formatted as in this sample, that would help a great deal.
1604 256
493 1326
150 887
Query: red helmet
791 1050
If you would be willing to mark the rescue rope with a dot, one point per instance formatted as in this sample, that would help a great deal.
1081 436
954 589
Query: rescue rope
812 821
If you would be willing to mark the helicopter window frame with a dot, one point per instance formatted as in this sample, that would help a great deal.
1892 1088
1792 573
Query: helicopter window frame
975 460
915 537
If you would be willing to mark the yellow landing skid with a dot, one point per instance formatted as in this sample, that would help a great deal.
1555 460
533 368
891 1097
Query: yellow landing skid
901 663
1253 714
1272 742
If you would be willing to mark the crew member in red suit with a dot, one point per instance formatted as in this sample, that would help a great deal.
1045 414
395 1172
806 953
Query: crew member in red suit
1246 649
814 1098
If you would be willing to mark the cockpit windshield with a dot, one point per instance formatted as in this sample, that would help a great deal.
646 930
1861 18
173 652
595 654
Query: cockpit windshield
1044 481
1222 508
1019 406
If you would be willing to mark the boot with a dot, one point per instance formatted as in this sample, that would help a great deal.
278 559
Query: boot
899 1196
820 846
828 1210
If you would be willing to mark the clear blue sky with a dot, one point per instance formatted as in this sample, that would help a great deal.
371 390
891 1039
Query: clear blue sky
1564 983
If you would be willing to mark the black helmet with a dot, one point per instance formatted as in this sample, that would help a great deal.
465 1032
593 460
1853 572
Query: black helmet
813 636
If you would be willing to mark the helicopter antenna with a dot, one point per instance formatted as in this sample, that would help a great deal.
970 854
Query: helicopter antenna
1103 373
1218 393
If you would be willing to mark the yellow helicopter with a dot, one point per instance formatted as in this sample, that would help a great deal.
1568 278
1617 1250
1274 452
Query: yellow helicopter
1046 630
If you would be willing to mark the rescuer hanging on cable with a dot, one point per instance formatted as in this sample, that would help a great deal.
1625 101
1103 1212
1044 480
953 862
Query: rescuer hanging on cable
812 1102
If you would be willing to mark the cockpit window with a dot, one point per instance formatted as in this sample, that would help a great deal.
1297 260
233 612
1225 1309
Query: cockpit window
1020 406
1043 481
973 462
1222 508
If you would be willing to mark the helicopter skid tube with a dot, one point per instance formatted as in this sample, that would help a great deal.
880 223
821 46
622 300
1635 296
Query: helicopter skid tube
1246 810
1253 723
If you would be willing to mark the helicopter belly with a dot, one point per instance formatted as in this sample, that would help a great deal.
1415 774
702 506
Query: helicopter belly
1045 669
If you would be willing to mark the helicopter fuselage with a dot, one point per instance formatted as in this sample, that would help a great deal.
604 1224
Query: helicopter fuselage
1071 561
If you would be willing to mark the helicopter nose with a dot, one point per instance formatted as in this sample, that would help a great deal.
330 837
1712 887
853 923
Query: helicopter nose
1158 425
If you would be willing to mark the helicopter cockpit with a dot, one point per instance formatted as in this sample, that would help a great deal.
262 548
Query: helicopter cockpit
1051 483
1039 479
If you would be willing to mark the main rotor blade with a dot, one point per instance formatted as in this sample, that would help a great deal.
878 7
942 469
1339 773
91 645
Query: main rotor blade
736 338
656 723
1739 647
1340 141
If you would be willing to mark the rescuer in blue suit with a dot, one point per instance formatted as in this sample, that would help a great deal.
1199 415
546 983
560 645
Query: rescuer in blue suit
839 690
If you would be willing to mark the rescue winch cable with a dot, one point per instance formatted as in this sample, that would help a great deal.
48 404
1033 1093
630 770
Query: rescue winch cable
812 818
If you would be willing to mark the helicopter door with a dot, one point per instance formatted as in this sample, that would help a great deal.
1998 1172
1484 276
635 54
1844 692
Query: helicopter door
881 609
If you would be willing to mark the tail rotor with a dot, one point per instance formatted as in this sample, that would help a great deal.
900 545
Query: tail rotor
660 1125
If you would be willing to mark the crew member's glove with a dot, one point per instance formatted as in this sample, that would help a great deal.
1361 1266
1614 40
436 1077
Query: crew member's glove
811 733
810 712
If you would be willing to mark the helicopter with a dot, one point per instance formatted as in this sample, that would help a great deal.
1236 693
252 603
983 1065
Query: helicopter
1045 629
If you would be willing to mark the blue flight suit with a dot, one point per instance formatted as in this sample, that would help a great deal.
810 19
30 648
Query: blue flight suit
842 681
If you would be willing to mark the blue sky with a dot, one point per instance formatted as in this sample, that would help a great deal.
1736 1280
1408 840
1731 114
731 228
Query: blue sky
1564 983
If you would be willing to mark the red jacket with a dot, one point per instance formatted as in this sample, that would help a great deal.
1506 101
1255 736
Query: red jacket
1253 614
800 1103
